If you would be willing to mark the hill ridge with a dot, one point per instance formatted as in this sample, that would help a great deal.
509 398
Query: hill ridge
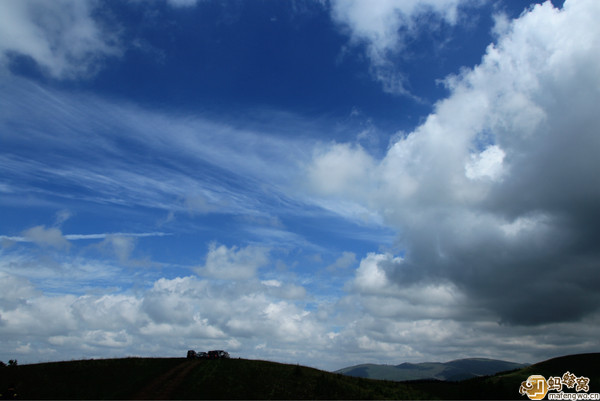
454 370
178 378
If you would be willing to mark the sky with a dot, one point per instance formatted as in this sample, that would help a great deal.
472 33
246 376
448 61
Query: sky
318 182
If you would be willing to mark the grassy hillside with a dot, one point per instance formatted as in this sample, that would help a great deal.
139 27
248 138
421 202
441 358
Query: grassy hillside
178 378
460 369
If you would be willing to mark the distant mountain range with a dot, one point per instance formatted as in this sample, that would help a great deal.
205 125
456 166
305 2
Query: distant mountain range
459 369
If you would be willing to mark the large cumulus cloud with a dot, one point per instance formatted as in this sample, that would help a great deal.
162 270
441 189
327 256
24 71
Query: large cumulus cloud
496 194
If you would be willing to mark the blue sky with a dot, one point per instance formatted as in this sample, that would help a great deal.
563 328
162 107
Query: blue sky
317 182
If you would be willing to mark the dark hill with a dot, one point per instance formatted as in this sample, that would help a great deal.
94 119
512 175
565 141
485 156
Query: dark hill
178 378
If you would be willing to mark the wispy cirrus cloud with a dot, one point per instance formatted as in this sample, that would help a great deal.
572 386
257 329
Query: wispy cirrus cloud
196 165
51 232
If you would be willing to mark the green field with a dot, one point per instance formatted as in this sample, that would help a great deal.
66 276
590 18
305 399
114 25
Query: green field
178 378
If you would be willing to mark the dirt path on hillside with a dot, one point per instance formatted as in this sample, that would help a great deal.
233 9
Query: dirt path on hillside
163 386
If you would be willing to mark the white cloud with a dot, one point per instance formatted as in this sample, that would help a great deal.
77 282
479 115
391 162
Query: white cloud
233 263
166 319
370 275
60 36
487 164
61 217
121 246
379 24
15 290
345 261
107 312
183 3
279 290
43 236
343 168
200 203
165 304
383 25
415 323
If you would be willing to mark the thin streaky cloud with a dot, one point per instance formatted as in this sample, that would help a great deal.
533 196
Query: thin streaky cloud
77 237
